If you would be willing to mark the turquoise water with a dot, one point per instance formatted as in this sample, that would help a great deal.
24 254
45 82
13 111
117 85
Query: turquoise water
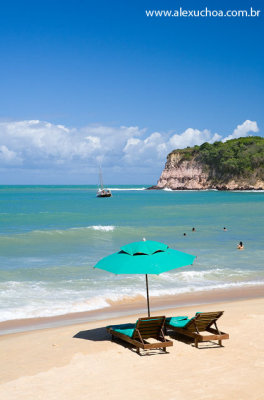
51 236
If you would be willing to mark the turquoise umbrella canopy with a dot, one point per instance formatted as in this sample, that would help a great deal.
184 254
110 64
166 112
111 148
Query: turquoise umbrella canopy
145 257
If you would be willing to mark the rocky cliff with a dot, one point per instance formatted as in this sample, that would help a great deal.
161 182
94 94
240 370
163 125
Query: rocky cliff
237 164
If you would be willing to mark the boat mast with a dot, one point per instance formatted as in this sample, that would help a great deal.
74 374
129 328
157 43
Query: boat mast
101 178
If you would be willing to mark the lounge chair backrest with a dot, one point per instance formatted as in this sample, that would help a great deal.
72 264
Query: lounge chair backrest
149 327
202 321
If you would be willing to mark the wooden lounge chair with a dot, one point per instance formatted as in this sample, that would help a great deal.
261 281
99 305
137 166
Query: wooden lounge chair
145 328
199 327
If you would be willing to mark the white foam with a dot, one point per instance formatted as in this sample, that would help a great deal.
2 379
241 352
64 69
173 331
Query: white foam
49 310
45 302
37 299
103 228
189 190
188 289
183 190
248 191
194 275
126 189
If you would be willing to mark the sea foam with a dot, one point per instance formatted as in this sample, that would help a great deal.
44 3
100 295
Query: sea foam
106 228
126 189
63 303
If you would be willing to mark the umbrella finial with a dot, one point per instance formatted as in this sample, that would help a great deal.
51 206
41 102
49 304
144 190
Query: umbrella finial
144 239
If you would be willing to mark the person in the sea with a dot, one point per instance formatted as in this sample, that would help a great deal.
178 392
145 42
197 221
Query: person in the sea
193 229
224 228
240 246
184 234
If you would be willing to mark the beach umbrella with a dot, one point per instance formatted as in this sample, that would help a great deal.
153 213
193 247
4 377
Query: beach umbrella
145 257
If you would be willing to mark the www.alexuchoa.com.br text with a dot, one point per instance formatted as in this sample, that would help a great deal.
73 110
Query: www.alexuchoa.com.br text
204 13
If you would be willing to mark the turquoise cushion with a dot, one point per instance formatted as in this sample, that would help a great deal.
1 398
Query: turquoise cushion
126 329
176 318
178 322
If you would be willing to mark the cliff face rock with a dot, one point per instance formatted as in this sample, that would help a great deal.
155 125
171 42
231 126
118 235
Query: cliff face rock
235 165
183 175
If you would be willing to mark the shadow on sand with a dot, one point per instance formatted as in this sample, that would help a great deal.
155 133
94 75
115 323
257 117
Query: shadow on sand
184 339
101 335
95 335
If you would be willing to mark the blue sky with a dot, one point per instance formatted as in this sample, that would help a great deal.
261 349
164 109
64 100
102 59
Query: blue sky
85 82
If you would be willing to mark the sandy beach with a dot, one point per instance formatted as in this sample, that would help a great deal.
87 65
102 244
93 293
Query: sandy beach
80 361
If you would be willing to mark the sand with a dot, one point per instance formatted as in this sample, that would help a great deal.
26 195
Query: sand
81 362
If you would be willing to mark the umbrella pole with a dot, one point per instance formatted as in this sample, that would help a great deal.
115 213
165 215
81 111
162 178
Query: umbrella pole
147 294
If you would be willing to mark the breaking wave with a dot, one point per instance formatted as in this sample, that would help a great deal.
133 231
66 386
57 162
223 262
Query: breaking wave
108 228
32 299
126 189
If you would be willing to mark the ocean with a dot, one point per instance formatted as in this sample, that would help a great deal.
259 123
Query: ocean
52 236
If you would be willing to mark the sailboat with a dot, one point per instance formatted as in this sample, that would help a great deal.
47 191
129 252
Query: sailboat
102 192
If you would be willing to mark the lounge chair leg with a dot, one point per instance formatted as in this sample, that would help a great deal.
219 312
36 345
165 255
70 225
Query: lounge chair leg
196 343
138 350
220 342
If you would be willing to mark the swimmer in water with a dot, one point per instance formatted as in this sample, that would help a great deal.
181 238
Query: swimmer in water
193 229
184 234
240 246
224 228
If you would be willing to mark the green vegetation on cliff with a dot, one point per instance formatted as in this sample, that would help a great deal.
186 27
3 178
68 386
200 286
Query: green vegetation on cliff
241 158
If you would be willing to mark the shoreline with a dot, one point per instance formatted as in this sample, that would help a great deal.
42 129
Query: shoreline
128 307
212 189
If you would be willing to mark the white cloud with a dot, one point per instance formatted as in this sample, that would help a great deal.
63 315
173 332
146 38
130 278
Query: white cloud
191 137
130 143
8 156
37 141
94 141
243 130
145 151
36 145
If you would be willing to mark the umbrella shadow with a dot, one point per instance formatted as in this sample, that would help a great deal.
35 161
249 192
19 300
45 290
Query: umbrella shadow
95 335
101 335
